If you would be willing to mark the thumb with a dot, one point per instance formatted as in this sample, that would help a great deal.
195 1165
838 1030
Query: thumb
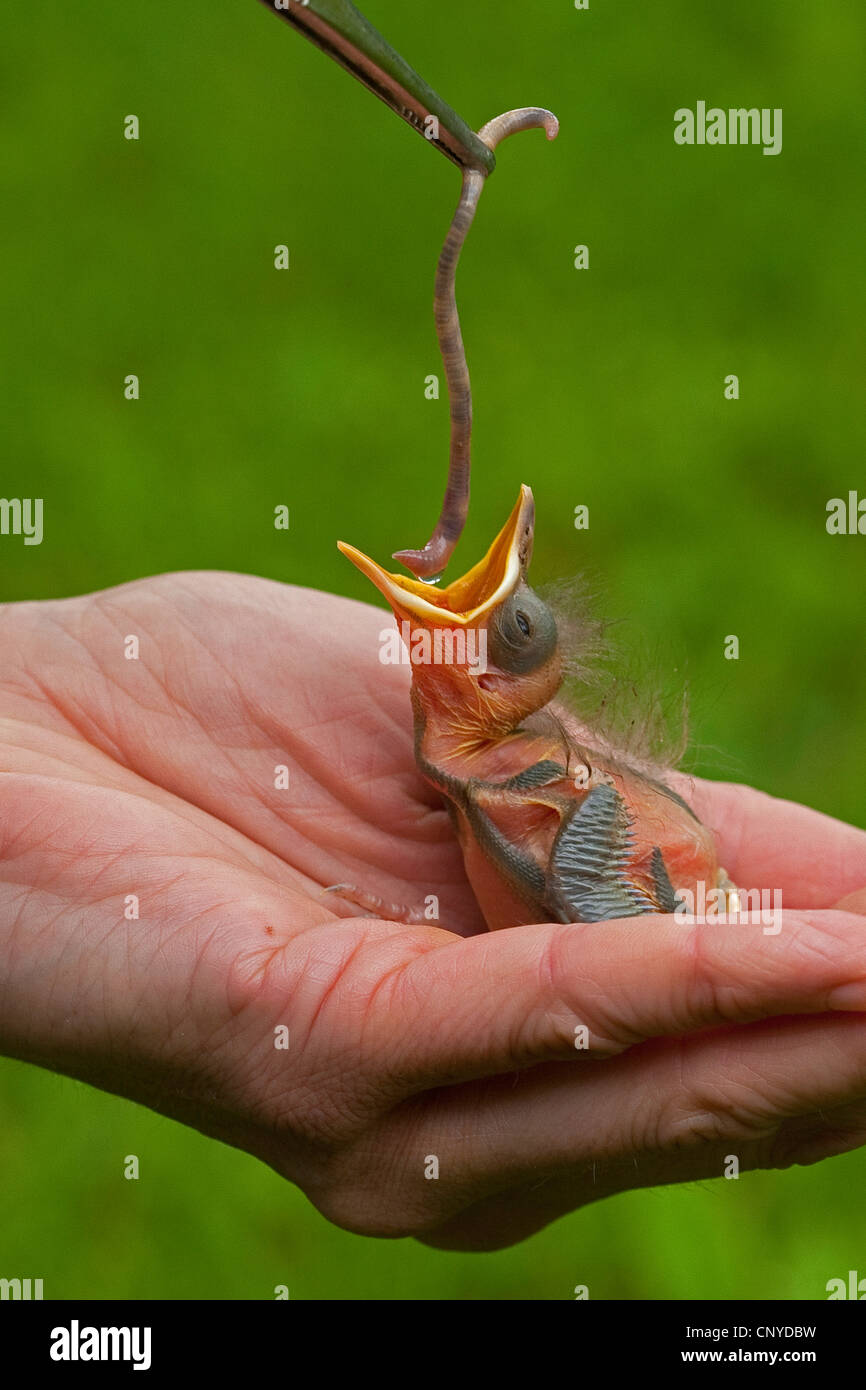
853 902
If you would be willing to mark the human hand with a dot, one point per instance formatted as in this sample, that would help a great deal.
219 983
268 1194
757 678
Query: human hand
155 778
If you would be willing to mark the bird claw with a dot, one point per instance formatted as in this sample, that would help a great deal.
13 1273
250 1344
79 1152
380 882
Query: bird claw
374 906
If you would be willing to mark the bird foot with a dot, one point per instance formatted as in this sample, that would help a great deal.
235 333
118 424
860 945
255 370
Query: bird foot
374 906
732 896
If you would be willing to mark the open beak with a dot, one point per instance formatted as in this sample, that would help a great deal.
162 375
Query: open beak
466 601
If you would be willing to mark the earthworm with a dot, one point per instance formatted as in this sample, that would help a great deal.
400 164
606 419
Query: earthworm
429 562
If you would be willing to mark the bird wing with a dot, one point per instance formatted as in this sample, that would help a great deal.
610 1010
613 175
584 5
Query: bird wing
588 879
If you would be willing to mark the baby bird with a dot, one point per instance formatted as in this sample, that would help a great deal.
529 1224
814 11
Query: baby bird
552 829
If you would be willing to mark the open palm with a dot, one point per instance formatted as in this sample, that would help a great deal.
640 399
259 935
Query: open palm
172 808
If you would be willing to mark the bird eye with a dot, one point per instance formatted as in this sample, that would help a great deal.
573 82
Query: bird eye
522 634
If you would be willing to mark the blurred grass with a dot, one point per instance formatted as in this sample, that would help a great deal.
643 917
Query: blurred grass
306 388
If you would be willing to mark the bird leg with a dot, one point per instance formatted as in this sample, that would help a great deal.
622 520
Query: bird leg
374 906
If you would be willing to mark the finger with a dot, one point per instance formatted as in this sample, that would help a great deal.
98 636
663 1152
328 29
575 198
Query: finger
670 1111
765 842
504 1218
505 1000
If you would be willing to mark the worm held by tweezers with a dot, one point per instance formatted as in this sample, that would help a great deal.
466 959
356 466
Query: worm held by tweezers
429 562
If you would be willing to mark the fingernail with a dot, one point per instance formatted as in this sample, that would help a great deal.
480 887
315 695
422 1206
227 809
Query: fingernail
849 998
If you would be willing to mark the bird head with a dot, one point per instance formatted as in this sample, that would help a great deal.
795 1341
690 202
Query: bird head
484 650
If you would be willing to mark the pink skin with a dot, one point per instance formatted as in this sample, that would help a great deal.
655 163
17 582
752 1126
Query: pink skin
156 778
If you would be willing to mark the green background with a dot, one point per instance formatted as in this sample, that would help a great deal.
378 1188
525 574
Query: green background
306 387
